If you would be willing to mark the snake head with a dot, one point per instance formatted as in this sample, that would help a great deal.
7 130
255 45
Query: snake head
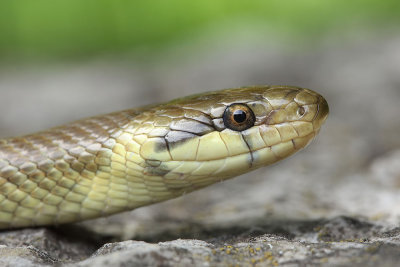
127 159
198 140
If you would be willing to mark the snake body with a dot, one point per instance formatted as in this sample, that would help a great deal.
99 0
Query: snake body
124 160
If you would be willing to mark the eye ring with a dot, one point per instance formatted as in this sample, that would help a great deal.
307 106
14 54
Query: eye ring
238 117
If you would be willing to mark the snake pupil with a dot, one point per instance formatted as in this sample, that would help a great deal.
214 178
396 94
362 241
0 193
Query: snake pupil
239 116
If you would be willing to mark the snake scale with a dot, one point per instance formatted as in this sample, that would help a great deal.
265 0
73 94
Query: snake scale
124 160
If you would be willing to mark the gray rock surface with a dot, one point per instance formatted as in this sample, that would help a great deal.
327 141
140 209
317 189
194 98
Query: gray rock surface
335 203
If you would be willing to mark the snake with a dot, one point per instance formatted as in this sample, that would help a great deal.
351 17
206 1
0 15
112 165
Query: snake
124 160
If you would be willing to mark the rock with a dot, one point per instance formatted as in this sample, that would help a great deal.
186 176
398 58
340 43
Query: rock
139 253
65 245
24 256
336 241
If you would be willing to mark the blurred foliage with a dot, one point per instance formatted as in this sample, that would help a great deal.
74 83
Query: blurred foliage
62 29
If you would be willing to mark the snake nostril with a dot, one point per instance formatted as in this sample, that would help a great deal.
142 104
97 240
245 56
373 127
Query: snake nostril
301 111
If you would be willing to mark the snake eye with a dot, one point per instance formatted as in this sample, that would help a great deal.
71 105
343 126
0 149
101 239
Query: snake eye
238 117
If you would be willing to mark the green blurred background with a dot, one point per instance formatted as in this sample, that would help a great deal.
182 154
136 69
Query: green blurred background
75 29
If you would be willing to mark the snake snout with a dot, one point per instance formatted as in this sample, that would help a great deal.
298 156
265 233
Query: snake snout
323 111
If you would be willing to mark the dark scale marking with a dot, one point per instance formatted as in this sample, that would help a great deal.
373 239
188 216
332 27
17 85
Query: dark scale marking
156 171
294 144
249 147
176 137
161 145
191 126
153 163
